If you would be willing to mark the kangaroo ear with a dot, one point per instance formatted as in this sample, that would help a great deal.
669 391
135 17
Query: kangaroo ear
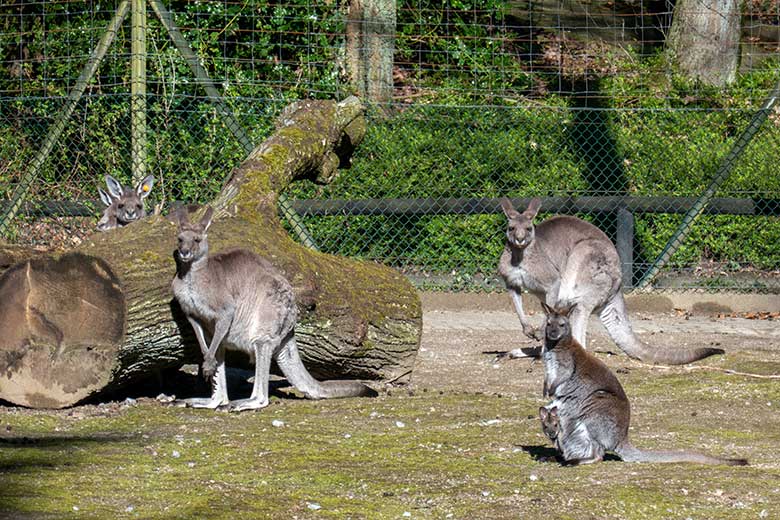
565 311
547 309
543 413
114 187
554 412
509 210
533 208
105 197
181 215
145 186
205 221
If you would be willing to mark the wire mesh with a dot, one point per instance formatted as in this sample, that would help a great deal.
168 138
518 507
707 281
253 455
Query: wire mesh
578 103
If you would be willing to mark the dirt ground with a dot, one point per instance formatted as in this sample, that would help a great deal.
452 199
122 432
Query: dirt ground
461 440
465 335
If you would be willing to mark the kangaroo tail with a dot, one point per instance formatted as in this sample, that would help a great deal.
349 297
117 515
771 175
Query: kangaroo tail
289 361
629 453
615 319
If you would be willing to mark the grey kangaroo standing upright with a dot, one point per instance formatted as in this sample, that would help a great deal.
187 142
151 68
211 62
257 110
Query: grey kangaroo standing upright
125 204
590 413
565 261
243 303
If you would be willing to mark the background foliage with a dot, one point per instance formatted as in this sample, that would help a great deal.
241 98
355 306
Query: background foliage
490 99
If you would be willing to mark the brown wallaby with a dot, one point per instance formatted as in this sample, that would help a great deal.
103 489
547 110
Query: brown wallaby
243 303
590 413
124 204
565 261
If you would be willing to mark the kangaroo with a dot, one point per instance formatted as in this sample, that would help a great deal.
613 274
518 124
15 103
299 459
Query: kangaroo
243 303
108 220
566 261
129 202
590 413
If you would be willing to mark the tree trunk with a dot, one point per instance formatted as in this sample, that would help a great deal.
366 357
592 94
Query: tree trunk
102 315
704 40
370 48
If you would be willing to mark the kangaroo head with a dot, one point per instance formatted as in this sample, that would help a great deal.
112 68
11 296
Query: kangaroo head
129 201
520 226
557 325
193 240
550 421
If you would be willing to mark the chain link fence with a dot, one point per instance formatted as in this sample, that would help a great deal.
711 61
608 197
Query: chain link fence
575 104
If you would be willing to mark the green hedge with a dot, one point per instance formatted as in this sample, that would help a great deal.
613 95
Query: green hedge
468 130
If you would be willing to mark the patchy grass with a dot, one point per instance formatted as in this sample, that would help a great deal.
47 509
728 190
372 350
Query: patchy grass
430 454
462 441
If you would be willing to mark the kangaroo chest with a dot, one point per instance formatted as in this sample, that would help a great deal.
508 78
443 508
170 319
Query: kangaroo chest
558 372
524 274
194 303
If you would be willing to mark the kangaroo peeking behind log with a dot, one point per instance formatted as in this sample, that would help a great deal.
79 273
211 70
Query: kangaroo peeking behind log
590 413
242 302
123 203
565 261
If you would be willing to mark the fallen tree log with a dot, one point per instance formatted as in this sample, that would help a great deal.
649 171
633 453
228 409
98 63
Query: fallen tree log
102 315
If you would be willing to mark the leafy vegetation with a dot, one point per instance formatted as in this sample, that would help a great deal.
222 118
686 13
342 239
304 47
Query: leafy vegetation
473 117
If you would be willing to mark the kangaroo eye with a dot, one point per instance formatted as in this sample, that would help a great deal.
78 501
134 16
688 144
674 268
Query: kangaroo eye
197 240
121 206
138 206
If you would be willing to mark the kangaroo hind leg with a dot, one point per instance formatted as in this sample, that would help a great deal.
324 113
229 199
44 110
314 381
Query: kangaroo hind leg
578 447
264 349
219 395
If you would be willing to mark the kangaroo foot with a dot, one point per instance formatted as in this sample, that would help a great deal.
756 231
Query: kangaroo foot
524 352
253 403
200 402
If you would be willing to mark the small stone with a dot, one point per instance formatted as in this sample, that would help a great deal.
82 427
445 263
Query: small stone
399 424
190 464
533 478
75 508
347 436
486 493
129 509
313 506
175 454
276 423
165 398
763 514
406 514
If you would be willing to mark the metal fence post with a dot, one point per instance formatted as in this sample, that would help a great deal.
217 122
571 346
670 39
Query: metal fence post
138 139
624 243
